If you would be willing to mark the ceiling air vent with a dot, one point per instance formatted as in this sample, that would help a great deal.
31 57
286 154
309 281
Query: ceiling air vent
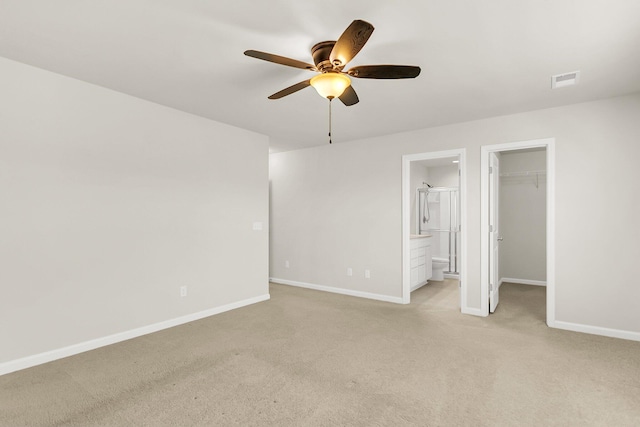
566 79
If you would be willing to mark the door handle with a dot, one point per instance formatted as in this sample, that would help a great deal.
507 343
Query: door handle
500 239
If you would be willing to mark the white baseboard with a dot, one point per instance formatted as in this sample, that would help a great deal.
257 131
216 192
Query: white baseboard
522 281
597 330
49 356
472 311
360 294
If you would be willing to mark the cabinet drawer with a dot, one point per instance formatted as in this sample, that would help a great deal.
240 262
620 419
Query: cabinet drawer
418 252
420 243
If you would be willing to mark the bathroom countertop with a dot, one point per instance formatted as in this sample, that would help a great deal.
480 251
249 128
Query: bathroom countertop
420 236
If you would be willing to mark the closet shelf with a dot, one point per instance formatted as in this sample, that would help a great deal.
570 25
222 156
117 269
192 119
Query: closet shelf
523 173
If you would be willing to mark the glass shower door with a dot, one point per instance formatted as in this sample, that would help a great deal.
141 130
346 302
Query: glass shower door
442 211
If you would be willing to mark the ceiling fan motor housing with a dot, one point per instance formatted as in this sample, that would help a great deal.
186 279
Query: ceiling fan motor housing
321 52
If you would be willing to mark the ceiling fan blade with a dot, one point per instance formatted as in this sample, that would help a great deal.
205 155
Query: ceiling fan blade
349 96
279 59
384 72
350 43
291 89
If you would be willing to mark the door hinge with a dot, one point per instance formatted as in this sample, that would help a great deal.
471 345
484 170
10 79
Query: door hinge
490 169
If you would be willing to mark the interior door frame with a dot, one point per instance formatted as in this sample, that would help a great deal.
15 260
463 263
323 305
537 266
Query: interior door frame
406 222
549 145
494 231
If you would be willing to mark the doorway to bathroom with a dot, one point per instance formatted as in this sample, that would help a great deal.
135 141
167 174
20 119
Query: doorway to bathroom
434 232
517 223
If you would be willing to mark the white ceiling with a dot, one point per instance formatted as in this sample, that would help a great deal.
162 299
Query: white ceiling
478 58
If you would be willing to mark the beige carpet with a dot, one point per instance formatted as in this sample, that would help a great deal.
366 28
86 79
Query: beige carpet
308 358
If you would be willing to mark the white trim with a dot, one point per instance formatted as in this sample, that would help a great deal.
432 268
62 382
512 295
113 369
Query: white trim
49 356
549 144
522 281
406 230
597 330
484 231
406 220
472 311
342 291
464 278
551 232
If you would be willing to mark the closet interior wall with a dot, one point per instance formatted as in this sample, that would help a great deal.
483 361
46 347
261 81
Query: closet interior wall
523 216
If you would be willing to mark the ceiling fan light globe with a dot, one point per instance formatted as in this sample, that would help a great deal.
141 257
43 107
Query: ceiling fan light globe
330 85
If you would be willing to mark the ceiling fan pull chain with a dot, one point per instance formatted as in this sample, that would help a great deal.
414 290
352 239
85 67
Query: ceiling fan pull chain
329 120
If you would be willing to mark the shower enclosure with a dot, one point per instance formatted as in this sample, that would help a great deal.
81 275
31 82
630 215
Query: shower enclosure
437 213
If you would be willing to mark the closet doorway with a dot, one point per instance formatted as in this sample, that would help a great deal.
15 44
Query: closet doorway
517 222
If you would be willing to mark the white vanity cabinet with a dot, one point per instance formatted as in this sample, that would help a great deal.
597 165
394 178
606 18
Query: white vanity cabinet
420 261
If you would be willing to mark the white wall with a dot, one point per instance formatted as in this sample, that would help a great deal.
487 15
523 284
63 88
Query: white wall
523 217
340 205
444 176
108 204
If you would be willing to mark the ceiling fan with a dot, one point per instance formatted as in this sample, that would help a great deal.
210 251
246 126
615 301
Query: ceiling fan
330 58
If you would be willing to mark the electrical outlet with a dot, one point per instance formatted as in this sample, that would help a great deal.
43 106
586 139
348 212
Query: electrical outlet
349 271
367 274
183 291
286 264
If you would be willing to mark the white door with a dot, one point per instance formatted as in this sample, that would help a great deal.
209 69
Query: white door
494 232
